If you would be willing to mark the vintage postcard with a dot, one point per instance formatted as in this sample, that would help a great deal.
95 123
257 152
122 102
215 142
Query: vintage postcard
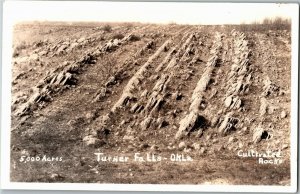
149 96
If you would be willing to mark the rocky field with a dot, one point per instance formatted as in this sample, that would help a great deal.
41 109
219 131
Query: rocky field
206 93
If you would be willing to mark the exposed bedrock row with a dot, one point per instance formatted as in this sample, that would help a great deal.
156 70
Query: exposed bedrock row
128 95
64 76
194 118
238 82
142 102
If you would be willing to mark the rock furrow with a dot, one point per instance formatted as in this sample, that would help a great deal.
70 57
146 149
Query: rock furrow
193 119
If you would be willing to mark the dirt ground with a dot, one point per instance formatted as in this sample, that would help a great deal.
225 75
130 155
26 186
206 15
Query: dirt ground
208 93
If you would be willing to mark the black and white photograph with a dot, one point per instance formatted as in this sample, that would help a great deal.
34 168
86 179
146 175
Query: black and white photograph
165 96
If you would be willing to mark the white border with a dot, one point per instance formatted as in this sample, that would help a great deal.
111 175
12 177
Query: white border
294 97
5 134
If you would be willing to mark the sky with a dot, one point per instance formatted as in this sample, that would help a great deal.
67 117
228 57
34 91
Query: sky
146 12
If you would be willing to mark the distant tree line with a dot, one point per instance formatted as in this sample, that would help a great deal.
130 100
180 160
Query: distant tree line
277 23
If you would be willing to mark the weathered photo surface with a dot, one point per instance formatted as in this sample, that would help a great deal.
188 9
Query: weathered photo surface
158 101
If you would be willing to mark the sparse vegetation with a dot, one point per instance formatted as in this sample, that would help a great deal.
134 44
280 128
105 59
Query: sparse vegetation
108 66
107 28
